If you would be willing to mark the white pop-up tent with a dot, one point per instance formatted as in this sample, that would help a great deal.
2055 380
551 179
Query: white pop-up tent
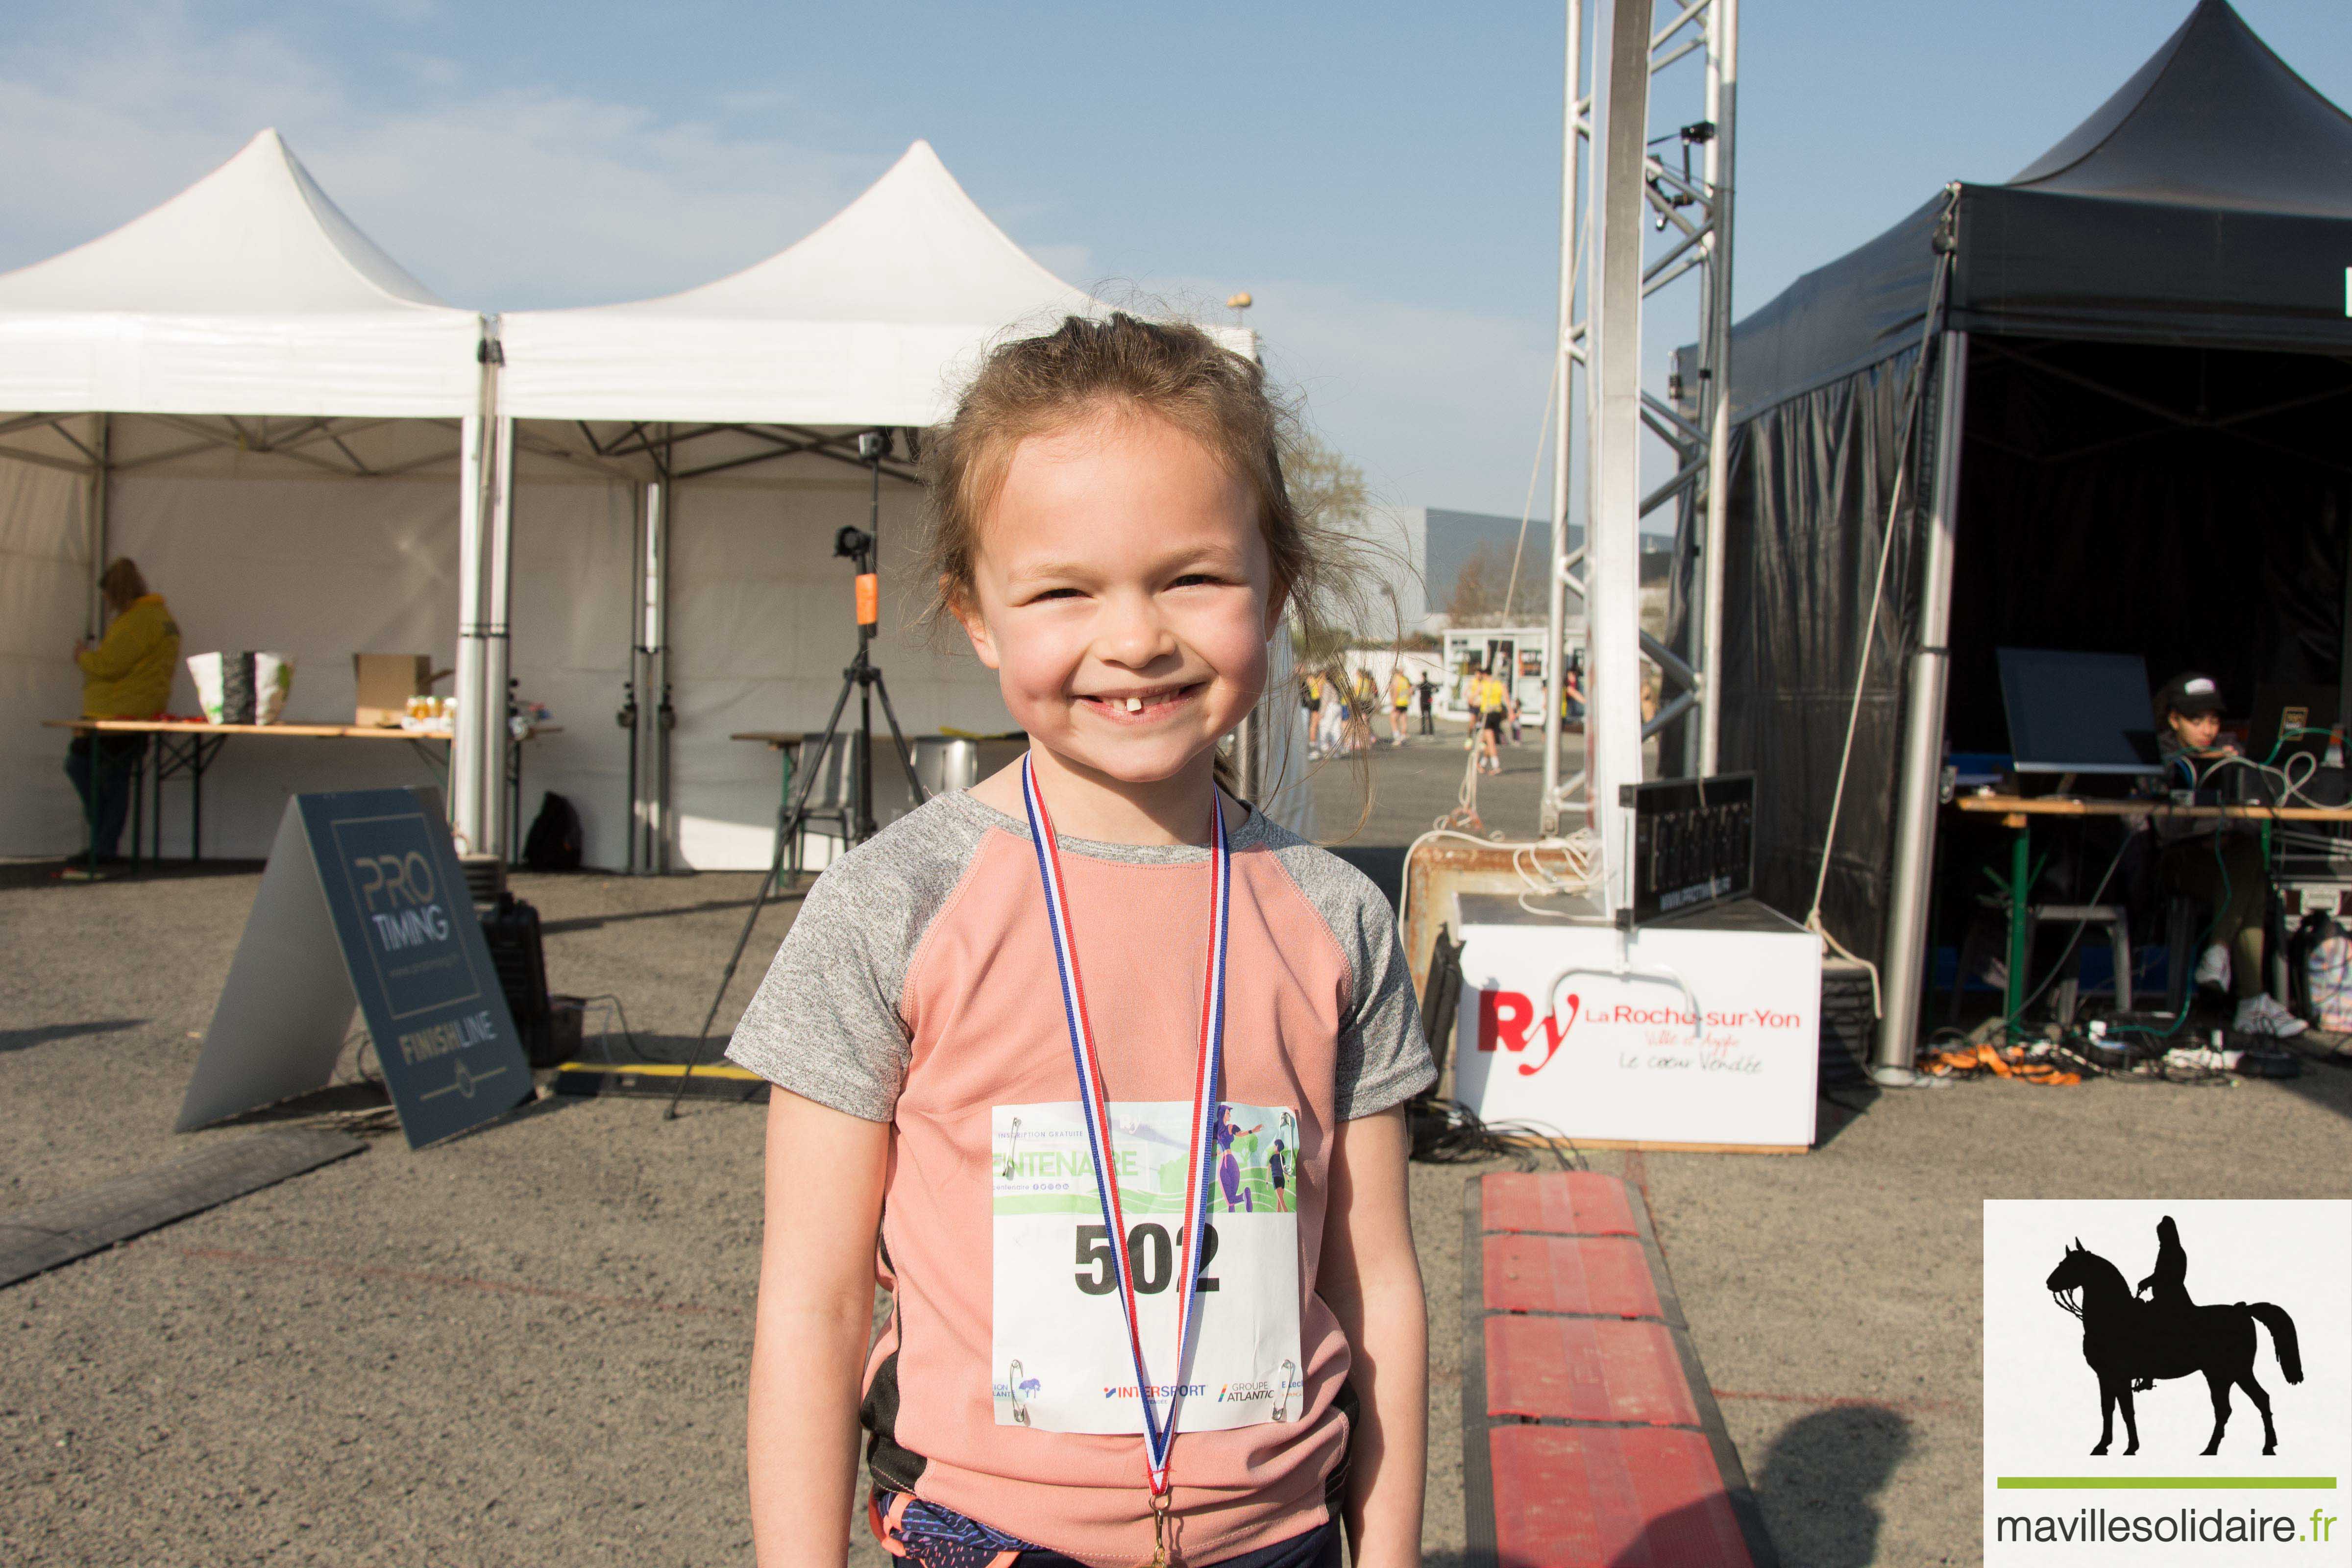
867 321
243 393
683 464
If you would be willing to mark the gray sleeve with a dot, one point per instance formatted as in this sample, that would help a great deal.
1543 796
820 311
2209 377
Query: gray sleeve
825 1023
1384 1060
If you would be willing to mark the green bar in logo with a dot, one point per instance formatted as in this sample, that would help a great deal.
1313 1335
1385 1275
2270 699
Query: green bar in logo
2167 1483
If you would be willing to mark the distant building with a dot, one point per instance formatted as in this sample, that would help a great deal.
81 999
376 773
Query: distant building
1421 552
1396 543
1418 555
1456 538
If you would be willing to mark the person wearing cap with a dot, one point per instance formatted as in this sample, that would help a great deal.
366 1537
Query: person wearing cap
126 675
2219 864
2188 727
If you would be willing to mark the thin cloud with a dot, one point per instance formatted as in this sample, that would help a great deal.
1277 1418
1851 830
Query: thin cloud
1438 407
505 199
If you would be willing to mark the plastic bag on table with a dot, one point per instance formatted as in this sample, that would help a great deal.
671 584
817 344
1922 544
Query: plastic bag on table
242 688
273 679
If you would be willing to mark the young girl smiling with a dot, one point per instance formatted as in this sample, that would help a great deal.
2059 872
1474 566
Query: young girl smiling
1015 1035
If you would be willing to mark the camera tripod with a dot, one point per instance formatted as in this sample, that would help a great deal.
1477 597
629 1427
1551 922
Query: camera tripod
863 676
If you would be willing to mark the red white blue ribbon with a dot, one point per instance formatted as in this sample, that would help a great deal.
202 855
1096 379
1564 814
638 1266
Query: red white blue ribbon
1094 1099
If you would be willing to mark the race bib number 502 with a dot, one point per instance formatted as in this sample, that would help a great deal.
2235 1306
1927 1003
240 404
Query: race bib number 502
1062 1362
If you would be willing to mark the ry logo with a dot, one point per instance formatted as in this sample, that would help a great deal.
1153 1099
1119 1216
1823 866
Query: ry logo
1504 1017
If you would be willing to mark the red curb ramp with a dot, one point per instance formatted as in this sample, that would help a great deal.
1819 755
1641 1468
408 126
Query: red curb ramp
1590 1276
1612 1497
1590 1438
1583 1368
1567 1202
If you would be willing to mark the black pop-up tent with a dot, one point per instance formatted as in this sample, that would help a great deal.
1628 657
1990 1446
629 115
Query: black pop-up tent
2128 436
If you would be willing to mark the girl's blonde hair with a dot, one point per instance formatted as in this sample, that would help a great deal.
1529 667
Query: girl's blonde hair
1174 370
1177 372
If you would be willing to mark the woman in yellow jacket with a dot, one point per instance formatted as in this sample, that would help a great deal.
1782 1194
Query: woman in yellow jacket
128 675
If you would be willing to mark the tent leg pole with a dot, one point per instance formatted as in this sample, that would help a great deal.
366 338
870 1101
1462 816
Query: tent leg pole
1612 725
1919 786
645 805
101 501
497 649
1723 17
1572 260
634 683
660 714
466 762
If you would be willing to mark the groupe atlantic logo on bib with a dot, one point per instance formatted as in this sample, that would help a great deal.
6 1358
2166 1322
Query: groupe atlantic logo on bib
1278 1390
2170 1377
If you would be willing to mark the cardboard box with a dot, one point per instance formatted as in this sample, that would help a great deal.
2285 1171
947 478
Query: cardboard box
386 681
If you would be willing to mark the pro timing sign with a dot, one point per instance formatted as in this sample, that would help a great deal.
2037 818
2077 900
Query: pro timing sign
364 906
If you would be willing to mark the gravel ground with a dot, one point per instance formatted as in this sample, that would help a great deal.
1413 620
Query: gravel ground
528 1345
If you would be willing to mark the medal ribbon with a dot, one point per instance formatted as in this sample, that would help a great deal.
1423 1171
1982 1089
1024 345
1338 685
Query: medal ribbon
1094 1099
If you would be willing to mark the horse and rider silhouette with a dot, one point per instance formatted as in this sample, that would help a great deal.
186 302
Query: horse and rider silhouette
2131 1343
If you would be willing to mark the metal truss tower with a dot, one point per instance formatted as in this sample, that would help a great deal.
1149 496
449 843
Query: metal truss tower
1652 209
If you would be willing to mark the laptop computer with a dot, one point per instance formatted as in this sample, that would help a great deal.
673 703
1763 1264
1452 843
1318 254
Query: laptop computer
2077 712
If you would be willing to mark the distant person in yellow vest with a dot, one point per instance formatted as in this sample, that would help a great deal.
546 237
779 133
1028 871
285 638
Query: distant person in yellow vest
1399 703
1362 697
128 675
1494 709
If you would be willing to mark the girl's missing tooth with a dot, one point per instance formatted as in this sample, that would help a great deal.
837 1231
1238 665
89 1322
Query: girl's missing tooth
1112 1065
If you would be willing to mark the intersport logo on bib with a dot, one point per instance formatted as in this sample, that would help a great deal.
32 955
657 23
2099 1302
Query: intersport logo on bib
1159 1390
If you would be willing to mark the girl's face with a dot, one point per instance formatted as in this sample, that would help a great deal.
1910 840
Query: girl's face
2197 733
1123 595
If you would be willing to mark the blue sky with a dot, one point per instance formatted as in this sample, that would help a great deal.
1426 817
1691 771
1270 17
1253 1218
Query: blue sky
1383 179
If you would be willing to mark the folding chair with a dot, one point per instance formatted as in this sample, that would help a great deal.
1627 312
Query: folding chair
833 798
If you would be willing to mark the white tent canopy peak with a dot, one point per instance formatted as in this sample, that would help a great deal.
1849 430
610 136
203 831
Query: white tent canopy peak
914 248
872 319
249 293
255 235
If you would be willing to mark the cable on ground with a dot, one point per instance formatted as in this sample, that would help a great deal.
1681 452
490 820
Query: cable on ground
1448 1133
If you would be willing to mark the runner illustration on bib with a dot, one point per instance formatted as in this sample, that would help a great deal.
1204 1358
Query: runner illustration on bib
1056 1316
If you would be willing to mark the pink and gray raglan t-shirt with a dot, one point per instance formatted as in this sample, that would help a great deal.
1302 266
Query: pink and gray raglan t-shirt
918 987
